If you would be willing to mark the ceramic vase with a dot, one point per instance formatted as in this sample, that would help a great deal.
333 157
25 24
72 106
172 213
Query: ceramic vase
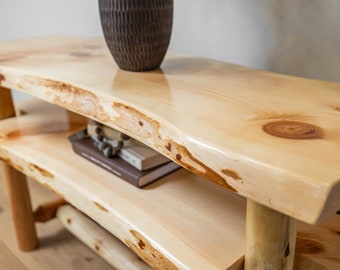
137 32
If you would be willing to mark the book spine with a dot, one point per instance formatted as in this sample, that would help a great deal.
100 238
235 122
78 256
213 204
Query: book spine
100 160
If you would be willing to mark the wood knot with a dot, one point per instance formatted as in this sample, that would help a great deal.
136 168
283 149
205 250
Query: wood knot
293 130
141 244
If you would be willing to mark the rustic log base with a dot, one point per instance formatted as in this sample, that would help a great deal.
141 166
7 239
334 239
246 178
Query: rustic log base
21 208
270 239
17 188
99 240
6 104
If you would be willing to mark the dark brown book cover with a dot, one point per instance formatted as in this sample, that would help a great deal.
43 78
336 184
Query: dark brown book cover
85 148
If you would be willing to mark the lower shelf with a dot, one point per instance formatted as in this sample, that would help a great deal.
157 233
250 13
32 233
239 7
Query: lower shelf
181 221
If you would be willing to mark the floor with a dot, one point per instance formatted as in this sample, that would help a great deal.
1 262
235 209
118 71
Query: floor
58 248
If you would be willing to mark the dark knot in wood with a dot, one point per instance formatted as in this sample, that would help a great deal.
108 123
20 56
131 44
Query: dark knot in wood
293 130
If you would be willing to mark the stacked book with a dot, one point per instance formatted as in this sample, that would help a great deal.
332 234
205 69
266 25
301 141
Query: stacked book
125 157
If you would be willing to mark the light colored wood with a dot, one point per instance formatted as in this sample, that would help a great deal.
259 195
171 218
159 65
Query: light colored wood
47 211
21 207
230 124
99 240
6 103
318 247
62 251
59 249
185 221
17 188
190 218
271 238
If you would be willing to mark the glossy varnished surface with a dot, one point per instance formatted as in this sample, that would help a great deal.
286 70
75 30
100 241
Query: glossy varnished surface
180 221
269 137
58 248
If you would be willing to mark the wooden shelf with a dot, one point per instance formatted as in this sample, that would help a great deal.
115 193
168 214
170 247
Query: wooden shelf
271 138
182 219
190 222
229 124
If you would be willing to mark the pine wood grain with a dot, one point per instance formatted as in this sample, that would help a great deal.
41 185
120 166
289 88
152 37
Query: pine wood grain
209 219
251 131
6 103
58 248
100 240
18 193
271 238
318 248
21 207
183 220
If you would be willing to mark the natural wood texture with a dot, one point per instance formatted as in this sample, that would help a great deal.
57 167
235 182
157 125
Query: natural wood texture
21 207
99 240
318 247
183 220
59 249
184 217
269 137
17 188
6 103
210 117
48 211
270 238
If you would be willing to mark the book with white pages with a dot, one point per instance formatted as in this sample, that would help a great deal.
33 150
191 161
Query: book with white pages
141 156
134 152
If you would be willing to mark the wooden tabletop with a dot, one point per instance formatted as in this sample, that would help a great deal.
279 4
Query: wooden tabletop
269 137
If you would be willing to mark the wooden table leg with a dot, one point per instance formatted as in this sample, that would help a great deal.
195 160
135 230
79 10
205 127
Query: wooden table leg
271 238
18 193
6 104
21 208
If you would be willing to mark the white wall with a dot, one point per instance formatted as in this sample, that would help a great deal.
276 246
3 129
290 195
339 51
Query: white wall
299 37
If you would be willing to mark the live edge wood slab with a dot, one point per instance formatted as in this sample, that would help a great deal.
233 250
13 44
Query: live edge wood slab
271 138
184 220
179 222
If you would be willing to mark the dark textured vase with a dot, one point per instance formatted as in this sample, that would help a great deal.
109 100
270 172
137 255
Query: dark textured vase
137 32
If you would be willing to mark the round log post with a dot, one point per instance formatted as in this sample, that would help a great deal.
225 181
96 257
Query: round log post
6 104
17 189
270 239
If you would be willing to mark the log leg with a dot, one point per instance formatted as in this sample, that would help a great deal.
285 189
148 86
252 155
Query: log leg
98 239
6 104
271 238
21 208
17 188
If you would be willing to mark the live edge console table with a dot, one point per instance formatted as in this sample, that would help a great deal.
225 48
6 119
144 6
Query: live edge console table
260 152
